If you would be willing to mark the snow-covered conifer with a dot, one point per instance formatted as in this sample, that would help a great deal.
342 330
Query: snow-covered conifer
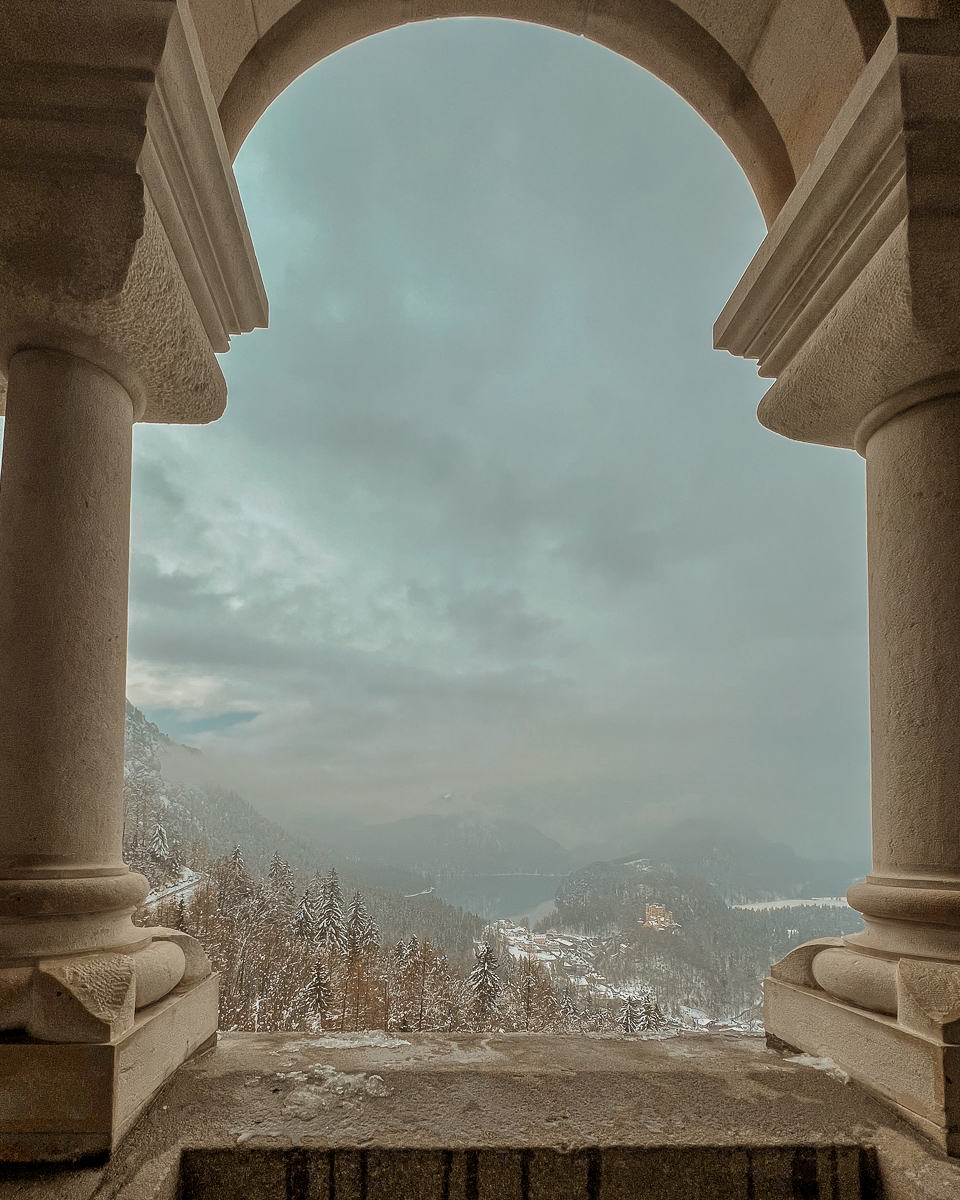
373 930
360 925
306 920
630 1016
159 844
484 986
652 1014
277 871
331 927
319 990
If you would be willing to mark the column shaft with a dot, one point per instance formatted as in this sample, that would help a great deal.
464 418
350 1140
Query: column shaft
913 532
64 553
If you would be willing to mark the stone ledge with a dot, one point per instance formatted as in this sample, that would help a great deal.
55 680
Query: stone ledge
912 1071
268 1096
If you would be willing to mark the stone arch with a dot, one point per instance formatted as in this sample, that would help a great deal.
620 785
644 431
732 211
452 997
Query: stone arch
767 75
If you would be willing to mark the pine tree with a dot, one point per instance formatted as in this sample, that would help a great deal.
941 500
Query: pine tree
331 928
319 991
277 872
630 1015
305 922
159 844
484 986
568 1010
360 925
652 1014
237 883
374 935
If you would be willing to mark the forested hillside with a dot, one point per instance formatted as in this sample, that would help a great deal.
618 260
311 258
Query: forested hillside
308 937
308 940
210 820
713 959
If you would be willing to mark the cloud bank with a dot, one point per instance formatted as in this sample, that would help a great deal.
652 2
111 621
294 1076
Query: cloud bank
486 516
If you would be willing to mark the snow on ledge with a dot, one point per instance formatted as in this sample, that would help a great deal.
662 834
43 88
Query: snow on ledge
827 1065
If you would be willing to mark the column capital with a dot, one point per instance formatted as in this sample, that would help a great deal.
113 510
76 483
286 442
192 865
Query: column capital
852 301
122 235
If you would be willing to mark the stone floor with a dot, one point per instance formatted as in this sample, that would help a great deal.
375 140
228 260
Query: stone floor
283 1117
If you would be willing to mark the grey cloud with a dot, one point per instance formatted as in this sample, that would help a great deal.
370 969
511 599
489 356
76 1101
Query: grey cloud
486 514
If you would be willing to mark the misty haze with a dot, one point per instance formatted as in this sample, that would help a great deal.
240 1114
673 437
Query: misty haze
489 638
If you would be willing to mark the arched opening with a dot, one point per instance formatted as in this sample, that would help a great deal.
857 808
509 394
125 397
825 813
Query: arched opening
567 562
757 74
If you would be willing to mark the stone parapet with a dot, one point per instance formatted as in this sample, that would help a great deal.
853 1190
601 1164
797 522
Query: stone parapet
509 1117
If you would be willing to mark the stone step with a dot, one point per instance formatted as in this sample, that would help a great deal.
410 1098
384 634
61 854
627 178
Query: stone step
835 1172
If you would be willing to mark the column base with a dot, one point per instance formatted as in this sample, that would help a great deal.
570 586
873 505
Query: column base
916 1074
66 1102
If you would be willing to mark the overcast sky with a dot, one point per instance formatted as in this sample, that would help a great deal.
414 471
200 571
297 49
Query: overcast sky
487 524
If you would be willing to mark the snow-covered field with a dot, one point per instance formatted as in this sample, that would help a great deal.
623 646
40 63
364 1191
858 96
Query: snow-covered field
814 902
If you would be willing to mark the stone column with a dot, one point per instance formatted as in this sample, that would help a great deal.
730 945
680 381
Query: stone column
115 293
852 306
64 549
69 950
911 900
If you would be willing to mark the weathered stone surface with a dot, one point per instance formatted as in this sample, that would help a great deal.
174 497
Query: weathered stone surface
88 999
62 1102
797 966
917 1075
482 1114
866 980
122 236
843 304
768 76
125 263
929 998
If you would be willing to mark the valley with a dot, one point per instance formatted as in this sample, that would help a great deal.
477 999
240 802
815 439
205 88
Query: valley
692 924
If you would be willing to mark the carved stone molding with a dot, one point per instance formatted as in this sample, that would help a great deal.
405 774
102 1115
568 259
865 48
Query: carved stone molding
122 236
929 999
94 997
852 300
923 995
186 168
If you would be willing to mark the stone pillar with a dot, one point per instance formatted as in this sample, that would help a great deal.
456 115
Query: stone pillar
64 549
911 900
73 966
64 538
852 305
125 263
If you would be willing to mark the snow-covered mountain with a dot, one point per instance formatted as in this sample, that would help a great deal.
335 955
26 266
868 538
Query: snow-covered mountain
207 821
743 864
